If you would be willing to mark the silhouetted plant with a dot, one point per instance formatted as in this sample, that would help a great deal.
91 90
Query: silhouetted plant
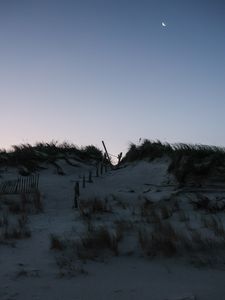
31 156
154 149
188 162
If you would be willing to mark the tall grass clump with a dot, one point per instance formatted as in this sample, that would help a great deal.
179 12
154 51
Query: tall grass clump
197 163
148 149
30 156
193 161
154 149
91 244
161 241
91 152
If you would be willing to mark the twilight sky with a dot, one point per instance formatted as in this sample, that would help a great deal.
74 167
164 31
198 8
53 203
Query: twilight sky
87 70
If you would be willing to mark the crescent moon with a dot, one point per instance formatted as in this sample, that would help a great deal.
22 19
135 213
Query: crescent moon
163 24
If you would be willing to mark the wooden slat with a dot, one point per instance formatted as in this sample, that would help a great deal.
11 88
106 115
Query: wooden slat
20 185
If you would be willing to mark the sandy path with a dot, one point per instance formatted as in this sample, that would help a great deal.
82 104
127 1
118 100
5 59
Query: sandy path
119 278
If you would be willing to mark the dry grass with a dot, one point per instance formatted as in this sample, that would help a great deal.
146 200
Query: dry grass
175 204
30 157
164 240
122 227
121 203
13 227
208 205
26 273
12 204
161 241
153 218
146 207
165 211
56 243
68 267
94 206
37 201
205 245
24 203
93 244
214 224
14 216
183 216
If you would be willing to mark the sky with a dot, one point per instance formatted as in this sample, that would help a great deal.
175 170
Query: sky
84 71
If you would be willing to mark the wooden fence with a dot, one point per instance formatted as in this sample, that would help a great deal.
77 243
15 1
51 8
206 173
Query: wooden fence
99 170
20 185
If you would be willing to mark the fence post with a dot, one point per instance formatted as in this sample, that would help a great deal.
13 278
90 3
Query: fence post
24 184
19 185
76 194
30 184
90 177
83 182
97 174
101 169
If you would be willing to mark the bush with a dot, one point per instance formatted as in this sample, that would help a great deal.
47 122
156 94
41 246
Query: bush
95 243
162 241
56 242
148 149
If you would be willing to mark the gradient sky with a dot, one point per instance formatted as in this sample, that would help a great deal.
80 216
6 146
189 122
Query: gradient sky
87 70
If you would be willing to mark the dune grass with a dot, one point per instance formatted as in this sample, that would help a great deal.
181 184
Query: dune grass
30 156
155 149
187 161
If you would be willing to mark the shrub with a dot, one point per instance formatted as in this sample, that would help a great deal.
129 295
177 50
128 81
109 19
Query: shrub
148 149
68 267
94 206
95 243
214 224
162 241
11 232
91 152
56 242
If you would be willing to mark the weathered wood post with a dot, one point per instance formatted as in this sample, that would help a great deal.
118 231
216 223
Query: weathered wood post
23 184
37 182
97 174
90 177
119 157
16 187
106 152
83 182
76 194
101 169
29 189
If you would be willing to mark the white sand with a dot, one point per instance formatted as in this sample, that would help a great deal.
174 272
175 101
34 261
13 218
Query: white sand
29 270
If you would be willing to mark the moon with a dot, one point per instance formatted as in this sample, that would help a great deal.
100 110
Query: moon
163 24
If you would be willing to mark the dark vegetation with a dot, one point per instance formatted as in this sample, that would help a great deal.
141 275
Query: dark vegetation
14 215
30 156
189 163
162 228
156 149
